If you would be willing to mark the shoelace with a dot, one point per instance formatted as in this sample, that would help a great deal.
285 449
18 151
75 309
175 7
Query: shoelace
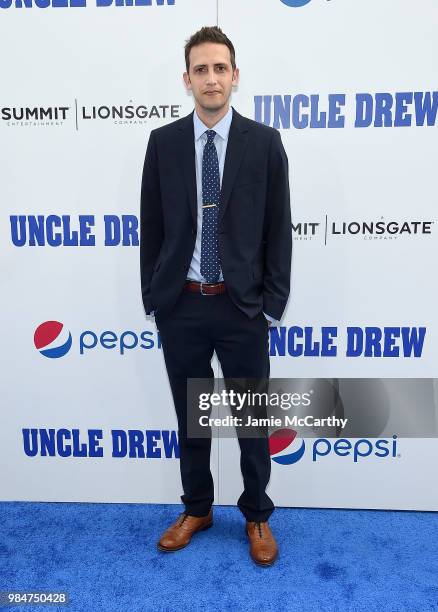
260 528
184 516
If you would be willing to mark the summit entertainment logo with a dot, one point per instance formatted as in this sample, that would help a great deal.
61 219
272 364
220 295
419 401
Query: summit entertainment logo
77 114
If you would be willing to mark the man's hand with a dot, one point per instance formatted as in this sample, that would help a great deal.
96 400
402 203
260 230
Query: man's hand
271 320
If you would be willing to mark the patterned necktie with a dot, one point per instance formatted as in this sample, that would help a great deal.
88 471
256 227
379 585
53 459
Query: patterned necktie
210 264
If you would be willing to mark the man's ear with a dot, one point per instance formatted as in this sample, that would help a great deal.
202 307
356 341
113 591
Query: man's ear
236 77
187 81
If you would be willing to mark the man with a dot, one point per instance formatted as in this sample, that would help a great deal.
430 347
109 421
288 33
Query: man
215 258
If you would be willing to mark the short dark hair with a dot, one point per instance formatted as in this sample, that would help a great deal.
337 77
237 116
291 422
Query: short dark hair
209 34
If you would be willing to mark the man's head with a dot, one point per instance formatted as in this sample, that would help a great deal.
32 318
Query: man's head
211 68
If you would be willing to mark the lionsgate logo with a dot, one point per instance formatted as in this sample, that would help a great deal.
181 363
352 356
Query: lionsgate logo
130 113
369 229
79 114
383 229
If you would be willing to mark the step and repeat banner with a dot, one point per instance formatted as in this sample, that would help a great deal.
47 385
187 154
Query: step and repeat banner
87 413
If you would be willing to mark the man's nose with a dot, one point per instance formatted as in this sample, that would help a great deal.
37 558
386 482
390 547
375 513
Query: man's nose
211 77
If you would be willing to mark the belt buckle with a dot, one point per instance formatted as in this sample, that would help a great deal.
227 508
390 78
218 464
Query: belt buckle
202 293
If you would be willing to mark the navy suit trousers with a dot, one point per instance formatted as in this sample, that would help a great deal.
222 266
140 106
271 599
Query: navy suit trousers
197 326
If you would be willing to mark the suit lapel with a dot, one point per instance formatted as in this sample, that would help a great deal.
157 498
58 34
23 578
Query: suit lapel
237 141
187 157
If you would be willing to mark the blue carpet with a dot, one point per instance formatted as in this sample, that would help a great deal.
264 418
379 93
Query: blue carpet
105 557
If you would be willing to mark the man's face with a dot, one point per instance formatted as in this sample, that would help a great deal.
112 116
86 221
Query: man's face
211 76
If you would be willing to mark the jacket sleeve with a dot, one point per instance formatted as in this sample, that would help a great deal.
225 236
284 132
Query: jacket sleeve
151 221
277 232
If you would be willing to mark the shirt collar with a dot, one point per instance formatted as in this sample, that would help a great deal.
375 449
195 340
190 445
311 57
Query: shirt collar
222 127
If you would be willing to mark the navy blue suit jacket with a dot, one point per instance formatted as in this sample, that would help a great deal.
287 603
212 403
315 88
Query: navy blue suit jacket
255 229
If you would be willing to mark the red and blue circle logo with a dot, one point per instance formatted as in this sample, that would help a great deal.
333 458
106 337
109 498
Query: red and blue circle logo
52 339
282 440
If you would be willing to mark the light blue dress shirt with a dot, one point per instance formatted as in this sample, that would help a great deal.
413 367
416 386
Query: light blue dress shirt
220 140
222 129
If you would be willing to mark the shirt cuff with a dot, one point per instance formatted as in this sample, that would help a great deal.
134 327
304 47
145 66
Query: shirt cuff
272 320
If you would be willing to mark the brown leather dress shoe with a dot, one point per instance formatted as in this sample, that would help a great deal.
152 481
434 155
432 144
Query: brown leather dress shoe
263 547
179 534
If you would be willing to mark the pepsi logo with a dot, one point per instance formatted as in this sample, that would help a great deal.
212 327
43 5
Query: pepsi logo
295 3
283 439
52 339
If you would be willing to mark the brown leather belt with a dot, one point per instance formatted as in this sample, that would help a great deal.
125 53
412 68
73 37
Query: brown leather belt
205 288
